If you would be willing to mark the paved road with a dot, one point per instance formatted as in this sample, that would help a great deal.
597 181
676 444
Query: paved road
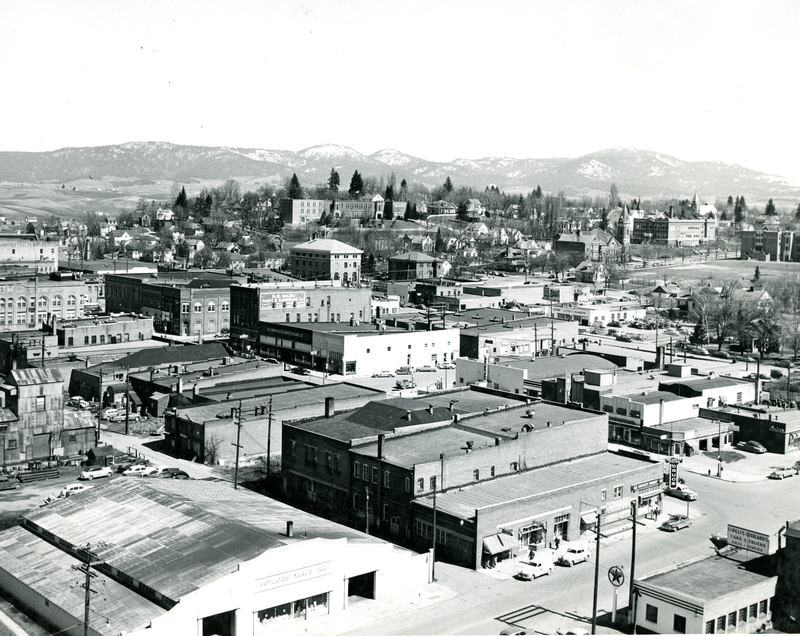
486 604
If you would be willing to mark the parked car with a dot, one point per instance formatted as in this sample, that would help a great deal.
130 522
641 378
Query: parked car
675 523
405 371
699 351
94 472
426 369
723 355
299 371
538 566
446 365
139 470
9 482
404 384
781 473
180 474
110 412
271 360
623 337
71 489
572 631
682 492
120 417
751 446
78 403
775 374
124 462
573 556
383 374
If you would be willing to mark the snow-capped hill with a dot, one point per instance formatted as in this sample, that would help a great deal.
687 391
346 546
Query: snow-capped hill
597 170
330 151
394 157
258 154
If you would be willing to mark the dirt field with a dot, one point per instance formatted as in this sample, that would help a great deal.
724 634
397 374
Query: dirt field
720 270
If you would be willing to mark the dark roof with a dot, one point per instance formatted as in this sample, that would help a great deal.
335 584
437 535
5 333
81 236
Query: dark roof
28 377
417 257
165 355
707 383
652 397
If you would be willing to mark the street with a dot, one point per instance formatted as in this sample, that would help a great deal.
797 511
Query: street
486 604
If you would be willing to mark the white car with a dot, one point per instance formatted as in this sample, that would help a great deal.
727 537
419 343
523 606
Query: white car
139 470
446 365
71 489
120 417
94 472
574 555
78 403
536 567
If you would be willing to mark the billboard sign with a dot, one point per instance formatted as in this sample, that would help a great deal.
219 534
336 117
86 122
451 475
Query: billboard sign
283 299
748 540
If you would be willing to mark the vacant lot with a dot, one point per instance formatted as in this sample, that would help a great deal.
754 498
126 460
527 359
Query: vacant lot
719 270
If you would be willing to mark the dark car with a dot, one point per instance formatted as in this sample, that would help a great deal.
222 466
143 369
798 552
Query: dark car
675 523
724 355
180 474
751 446
624 338
299 371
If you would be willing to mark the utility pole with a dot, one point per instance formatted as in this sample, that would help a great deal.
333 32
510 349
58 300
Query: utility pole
269 442
631 613
366 510
99 409
433 551
86 568
596 574
238 437
43 351
127 400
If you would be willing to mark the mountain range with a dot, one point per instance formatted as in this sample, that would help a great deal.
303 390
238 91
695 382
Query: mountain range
636 173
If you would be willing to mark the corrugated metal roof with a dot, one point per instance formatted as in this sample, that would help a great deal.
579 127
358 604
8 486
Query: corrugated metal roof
47 570
464 501
177 536
26 377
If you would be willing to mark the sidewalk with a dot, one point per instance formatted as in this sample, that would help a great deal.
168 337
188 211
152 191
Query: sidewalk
749 468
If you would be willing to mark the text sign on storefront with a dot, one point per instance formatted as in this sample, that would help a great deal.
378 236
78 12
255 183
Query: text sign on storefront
290 298
673 472
293 576
748 540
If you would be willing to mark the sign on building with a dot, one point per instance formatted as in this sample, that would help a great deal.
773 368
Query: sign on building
748 540
283 299
673 472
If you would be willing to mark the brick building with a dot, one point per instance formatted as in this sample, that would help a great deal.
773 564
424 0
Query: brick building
193 303
19 252
326 259
300 211
103 330
673 231
414 266
306 301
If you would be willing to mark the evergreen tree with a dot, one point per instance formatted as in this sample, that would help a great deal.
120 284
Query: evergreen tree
448 185
614 199
461 213
389 195
333 181
724 215
439 245
742 204
797 213
770 209
388 211
757 275
403 190
730 200
700 334
538 192
356 184
294 191
738 215
180 201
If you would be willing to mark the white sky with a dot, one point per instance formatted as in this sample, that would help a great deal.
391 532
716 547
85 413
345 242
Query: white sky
695 79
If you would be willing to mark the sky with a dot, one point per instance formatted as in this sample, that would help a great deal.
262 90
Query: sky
698 80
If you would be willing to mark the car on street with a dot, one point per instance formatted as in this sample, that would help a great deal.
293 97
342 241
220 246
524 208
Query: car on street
675 523
576 631
751 446
71 489
180 474
446 365
383 374
513 631
573 556
299 371
535 567
623 337
9 482
405 371
139 470
110 412
426 369
124 462
682 492
699 351
404 384
95 472
271 360
781 473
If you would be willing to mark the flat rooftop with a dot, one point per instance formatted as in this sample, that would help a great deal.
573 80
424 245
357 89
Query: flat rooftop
364 328
464 501
689 424
705 580
701 383
550 367
109 319
652 397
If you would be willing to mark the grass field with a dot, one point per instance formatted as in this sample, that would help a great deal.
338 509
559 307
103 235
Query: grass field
719 271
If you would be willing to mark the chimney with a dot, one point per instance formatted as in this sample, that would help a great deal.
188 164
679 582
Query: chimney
152 374
430 409
194 393
470 444
233 412
661 412
180 384
408 416
381 440
14 363
290 528
670 211
228 396
497 441
329 407
450 408
530 413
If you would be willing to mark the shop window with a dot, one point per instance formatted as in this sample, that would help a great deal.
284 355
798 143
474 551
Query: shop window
651 613
679 624
561 526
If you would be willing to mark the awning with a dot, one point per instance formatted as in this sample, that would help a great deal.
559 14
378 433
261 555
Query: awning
497 543
589 518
